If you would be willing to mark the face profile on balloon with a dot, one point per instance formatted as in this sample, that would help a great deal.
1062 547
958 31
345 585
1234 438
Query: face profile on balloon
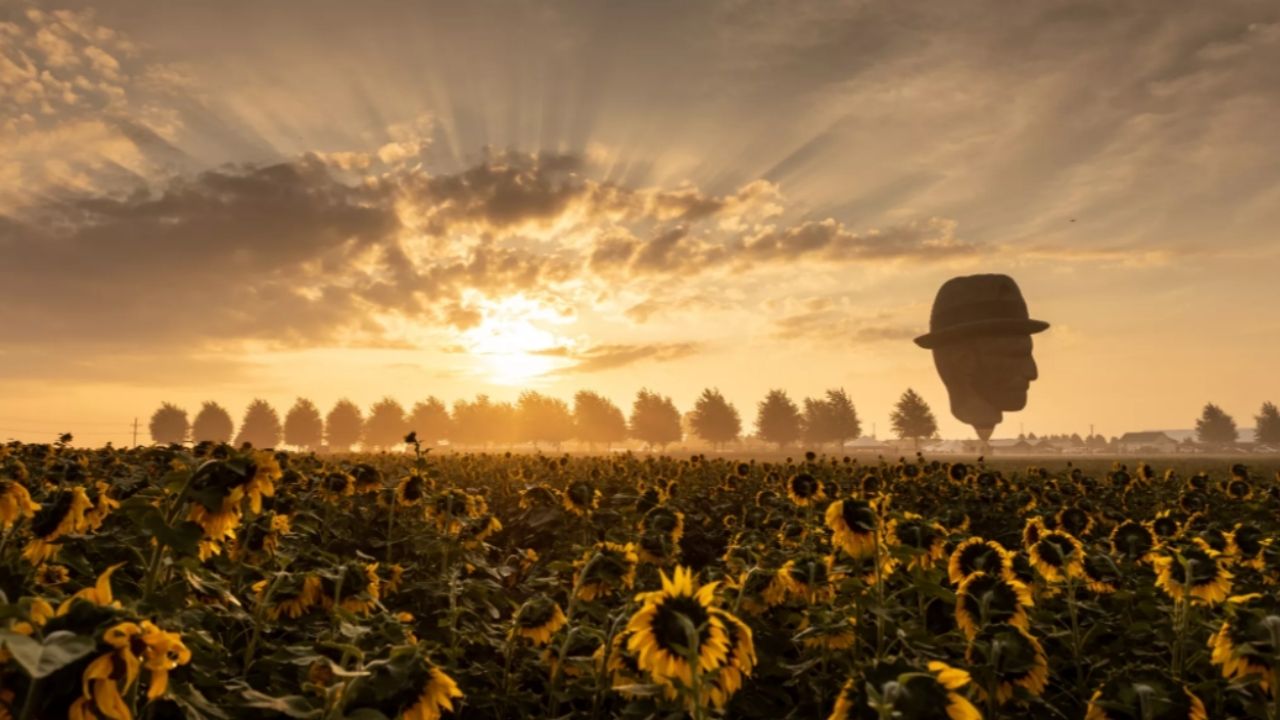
980 335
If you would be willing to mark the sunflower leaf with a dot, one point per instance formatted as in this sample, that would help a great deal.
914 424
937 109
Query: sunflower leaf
40 660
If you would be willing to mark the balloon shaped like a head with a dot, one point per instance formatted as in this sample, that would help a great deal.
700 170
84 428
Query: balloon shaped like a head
980 335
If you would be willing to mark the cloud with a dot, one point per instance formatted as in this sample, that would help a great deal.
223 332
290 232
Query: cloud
834 322
612 357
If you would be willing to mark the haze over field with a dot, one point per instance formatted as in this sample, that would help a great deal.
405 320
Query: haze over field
239 199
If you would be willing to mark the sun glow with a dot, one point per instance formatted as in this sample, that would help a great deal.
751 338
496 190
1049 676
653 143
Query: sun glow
510 345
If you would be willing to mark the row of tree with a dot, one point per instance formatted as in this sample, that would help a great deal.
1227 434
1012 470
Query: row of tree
1215 426
539 419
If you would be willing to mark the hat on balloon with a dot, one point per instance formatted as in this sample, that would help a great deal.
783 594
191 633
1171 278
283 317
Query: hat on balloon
978 305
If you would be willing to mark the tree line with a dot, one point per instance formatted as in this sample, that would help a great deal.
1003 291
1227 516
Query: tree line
540 419
1216 427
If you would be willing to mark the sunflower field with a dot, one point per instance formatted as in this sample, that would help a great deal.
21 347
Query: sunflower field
221 582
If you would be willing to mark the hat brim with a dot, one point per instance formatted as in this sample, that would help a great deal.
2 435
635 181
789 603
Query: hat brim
1009 326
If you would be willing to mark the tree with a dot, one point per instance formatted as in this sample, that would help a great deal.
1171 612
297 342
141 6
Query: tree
1266 427
778 419
912 417
543 419
386 425
842 416
597 420
212 424
654 419
261 426
1215 426
344 426
474 422
715 420
303 426
169 424
430 419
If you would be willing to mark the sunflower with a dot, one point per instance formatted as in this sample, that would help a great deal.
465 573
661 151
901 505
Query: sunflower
293 595
1238 488
978 555
260 538
99 594
1245 543
15 503
1014 655
63 515
760 589
925 539
450 507
854 524
1057 556
804 489
51 575
127 649
337 485
1193 571
437 695
1144 693
906 692
984 599
1246 645
1075 520
538 619
475 532
739 663
660 639
360 587
1101 574
1032 529
828 630
864 568
581 497
809 578
411 490
1167 524
1133 541
395 576
623 671
103 504
538 496
605 569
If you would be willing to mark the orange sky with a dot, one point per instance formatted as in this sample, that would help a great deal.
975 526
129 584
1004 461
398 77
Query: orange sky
235 200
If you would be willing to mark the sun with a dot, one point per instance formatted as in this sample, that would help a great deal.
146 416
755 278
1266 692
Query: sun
510 345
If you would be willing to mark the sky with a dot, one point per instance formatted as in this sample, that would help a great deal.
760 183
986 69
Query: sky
227 200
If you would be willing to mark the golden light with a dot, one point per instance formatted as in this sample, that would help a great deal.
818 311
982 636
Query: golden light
510 347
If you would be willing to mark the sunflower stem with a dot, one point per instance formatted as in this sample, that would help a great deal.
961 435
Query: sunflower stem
1075 631
29 703
391 521
258 613
568 635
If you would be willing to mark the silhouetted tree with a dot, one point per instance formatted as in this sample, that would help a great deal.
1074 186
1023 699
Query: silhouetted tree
261 426
714 419
344 426
778 419
1215 426
1266 428
543 419
430 419
655 420
912 417
386 425
169 424
504 429
597 420
474 421
842 416
212 423
303 426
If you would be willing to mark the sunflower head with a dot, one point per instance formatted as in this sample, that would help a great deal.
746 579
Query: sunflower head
1012 658
907 692
977 555
984 599
1247 644
538 619
803 489
854 524
678 630
1144 692
1132 541
581 497
1057 556
1193 571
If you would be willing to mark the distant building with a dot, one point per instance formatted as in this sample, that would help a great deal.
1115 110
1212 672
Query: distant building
1146 442
1018 446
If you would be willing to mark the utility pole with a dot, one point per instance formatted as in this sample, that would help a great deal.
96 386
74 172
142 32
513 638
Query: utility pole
135 432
